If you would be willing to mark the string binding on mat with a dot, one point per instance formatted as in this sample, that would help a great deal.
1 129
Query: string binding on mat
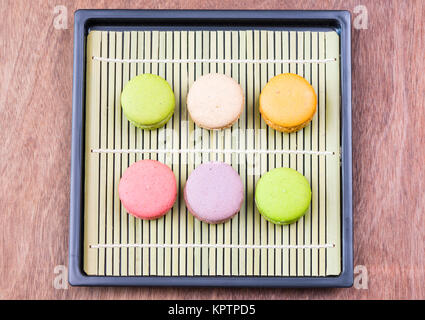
212 151
207 245
214 60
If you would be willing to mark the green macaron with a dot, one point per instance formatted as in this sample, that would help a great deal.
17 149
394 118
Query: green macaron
282 195
148 101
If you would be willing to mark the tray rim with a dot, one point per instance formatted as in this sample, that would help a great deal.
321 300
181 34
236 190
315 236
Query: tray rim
341 19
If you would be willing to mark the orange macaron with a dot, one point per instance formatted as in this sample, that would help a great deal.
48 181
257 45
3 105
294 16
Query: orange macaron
288 102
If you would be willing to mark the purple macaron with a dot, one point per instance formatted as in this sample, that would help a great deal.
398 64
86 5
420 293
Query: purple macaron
214 192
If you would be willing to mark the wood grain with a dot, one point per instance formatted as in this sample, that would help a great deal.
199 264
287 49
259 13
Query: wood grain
388 155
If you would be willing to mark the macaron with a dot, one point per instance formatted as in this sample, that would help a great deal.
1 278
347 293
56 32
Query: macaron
214 192
148 101
282 195
147 189
215 101
288 102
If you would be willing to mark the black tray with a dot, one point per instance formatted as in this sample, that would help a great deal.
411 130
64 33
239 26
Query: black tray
86 20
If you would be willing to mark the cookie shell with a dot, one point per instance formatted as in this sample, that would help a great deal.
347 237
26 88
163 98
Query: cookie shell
148 101
214 192
148 189
215 101
288 102
282 195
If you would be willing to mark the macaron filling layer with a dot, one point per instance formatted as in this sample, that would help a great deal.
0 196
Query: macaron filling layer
286 129
153 126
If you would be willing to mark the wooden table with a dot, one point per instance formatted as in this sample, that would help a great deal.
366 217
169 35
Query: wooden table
388 156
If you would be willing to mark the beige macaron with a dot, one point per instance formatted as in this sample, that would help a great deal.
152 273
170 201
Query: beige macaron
215 101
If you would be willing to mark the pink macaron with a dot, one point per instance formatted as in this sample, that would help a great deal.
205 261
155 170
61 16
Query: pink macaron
148 189
214 192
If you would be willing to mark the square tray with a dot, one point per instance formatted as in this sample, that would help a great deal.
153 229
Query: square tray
109 247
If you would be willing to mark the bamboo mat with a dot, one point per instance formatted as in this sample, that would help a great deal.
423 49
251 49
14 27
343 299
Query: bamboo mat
117 244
